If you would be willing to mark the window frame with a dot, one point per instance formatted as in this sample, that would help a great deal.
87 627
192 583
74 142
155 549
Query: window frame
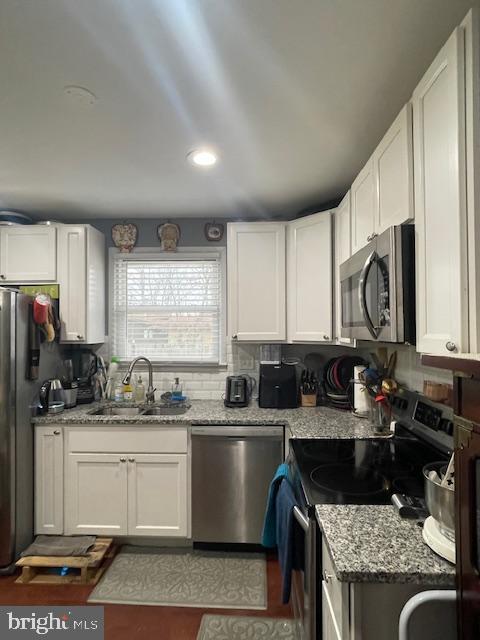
182 253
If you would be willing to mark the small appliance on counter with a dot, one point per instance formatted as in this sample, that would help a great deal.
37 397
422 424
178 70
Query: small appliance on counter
71 390
85 367
238 391
70 386
278 387
439 528
52 396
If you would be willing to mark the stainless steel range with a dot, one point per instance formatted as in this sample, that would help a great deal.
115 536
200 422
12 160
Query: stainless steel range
360 471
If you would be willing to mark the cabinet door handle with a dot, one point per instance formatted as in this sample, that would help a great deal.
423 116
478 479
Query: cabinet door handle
131 459
79 337
56 432
451 346
2 277
369 238
235 337
123 459
325 337
327 577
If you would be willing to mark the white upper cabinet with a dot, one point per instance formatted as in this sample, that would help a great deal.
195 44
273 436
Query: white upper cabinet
81 267
256 281
382 193
363 207
343 251
393 171
440 203
28 254
309 278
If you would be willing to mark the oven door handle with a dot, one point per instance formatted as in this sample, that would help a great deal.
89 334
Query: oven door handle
362 293
301 519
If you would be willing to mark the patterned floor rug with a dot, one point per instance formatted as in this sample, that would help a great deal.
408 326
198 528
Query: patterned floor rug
185 579
240 628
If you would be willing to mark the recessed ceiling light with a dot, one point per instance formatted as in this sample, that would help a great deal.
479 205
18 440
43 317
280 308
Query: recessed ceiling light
202 157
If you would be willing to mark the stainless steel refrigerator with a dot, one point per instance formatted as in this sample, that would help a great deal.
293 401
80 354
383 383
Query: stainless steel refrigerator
16 431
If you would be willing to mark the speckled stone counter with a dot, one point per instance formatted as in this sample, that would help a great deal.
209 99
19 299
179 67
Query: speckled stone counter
370 543
317 422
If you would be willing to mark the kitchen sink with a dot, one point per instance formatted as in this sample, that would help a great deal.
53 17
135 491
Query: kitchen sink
117 411
165 411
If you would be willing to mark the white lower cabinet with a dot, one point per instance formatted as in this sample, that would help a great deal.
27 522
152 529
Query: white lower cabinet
330 630
157 495
112 481
48 480
96 494
362 610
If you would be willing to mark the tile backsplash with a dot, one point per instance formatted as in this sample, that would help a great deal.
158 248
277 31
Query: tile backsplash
208 383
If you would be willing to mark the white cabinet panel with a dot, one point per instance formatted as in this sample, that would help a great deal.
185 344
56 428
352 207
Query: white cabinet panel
309 278
28 254
48 480
256 281
96 494
440 209
81 266
393 170
343 251
72 256
363 207
157 495
330 630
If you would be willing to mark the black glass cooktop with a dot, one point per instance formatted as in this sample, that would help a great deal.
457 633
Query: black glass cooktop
364 471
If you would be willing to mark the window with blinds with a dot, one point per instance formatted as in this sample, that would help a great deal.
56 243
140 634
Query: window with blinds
167 309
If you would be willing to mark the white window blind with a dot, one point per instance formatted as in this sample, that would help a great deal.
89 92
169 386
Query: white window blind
167 309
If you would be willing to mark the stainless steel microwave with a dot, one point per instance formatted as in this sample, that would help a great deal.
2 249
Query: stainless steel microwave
378 289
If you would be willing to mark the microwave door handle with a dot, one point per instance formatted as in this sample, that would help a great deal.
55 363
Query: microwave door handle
362 294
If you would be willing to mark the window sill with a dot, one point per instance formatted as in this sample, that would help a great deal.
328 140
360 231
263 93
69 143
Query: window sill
178 366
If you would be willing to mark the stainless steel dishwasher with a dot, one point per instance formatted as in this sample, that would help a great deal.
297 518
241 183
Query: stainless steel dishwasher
232 467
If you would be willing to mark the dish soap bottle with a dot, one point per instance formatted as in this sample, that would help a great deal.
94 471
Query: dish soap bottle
128 392
139 390
177 390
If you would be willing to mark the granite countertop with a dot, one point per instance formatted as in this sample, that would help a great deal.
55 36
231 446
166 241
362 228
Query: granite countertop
316 422
372 543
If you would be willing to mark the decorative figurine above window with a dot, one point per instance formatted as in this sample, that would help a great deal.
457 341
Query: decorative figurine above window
124 237
169 235
213 231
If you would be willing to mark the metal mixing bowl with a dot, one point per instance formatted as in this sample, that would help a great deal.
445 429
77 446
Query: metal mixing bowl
440 500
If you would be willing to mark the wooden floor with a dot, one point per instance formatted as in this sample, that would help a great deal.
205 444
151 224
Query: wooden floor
131 622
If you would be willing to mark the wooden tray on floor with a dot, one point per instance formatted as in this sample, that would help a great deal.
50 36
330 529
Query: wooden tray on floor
83 569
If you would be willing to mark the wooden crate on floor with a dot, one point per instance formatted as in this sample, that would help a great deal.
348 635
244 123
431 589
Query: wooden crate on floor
82 569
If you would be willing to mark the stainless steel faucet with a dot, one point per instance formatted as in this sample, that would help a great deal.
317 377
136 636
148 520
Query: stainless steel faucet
150 395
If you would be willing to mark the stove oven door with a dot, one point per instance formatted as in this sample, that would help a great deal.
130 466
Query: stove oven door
304 583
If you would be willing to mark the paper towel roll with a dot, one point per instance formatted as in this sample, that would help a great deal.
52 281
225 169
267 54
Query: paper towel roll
360 394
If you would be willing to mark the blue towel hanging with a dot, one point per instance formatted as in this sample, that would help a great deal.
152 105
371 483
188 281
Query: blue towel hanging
269 535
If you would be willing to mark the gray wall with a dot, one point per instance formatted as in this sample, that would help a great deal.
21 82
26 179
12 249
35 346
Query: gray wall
191 230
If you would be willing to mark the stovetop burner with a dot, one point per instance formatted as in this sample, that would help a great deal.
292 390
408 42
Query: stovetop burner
349 480
361 471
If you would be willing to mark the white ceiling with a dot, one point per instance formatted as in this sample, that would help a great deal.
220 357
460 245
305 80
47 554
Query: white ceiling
294 94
